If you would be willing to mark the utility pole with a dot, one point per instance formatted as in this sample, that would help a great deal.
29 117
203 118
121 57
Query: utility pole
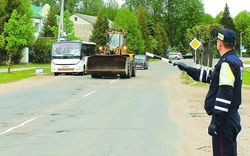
241 44
60 28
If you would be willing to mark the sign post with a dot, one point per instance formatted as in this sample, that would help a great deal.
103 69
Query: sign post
195 45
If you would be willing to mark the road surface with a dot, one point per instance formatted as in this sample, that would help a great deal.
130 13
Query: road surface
78 115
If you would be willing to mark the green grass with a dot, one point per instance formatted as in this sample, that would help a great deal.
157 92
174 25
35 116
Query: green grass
188 80
246 62
6 77
246 76
29 65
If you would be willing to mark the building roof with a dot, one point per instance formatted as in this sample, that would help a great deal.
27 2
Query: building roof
40 11
36 11
90 19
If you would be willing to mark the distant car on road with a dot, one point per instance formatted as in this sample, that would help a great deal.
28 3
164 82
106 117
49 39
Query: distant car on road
175 55
141 61
187 55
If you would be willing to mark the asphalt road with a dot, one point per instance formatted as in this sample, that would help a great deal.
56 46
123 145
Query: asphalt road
78 115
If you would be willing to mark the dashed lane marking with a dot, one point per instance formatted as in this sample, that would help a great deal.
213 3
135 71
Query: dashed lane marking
12 128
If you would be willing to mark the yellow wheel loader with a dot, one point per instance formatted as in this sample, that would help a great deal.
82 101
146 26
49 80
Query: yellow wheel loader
113 59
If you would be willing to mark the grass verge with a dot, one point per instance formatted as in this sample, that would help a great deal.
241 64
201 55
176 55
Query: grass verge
188 80
6 77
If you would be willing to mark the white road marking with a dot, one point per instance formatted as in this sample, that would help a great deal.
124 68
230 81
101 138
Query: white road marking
22 124
89 94
113 81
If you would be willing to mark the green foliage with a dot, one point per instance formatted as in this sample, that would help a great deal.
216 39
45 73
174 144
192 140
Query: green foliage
246 76
110 9
182 14
16 27
90 7
2 41
162 39
19 75
208 19
20 33
227 20
41 50
127 21
50 28
69 26
242 27
99 27
142 20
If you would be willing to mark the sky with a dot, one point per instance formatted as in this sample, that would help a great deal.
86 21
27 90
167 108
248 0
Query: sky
213 7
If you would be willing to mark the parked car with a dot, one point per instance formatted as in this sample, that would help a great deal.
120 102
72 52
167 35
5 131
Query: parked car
175 55
141 61
187 55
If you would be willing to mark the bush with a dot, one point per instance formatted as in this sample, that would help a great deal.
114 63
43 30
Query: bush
41 50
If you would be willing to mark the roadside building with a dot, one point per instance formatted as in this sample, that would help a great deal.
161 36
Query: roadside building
40 14
83 25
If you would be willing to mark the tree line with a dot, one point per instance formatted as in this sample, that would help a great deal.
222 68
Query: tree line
157 26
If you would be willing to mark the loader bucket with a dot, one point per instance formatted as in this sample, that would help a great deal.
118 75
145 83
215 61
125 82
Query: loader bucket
107 65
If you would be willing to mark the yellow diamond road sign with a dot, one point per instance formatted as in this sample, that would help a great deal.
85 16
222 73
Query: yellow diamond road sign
195 44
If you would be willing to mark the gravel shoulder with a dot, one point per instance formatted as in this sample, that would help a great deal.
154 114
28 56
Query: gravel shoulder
188 112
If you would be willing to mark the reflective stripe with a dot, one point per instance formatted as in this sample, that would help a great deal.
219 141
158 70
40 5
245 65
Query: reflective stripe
209 71
201 75
226 75
221 108
223 100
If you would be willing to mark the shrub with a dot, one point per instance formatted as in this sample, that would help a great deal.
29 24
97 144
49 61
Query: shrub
41 50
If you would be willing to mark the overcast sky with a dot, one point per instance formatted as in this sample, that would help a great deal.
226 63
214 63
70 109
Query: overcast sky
213 7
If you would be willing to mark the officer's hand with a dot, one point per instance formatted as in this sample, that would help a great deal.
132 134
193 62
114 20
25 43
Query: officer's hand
181 66
212 130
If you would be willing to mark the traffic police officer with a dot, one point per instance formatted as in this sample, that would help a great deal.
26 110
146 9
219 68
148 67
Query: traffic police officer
224 96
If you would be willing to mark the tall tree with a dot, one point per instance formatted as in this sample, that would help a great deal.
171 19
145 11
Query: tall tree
50 28
141 15
182 14
227 20
162 39
23 7
127 21
69 26
99 27
20 33
242 27
89 7
110 9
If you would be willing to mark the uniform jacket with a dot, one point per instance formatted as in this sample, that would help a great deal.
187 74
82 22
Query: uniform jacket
224 95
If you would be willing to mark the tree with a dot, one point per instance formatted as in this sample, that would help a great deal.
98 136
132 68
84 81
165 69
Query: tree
242 27
110 9
20 33
23 7
162 39
208 19
69 26
50 28
99 27
142 20
127 21
182 15
89 7
227 20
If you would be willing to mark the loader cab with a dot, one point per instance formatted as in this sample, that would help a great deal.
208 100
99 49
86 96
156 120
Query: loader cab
116 40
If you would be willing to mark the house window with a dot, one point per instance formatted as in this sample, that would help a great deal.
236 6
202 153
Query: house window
75 18
37 25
